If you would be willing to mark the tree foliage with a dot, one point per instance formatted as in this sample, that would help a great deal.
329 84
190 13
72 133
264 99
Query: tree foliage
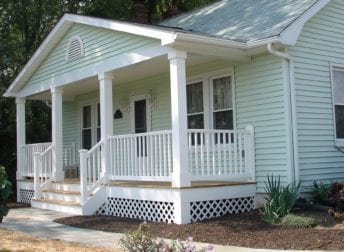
24 24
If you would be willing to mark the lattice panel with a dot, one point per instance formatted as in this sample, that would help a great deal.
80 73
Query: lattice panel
138 209
26 195
201 210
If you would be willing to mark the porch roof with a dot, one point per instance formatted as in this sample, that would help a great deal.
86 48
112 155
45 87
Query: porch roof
199 30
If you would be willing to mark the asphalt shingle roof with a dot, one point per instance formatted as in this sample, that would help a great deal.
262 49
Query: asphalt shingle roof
241 20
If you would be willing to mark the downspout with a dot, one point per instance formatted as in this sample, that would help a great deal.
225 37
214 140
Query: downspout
292 109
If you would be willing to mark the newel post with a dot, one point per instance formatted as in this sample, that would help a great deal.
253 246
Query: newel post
250 152
37 164
83 176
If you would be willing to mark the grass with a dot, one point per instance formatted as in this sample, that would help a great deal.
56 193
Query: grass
17 241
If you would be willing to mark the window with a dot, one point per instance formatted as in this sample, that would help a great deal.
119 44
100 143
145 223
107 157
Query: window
86 127
90 125
338 99
195 111
222 103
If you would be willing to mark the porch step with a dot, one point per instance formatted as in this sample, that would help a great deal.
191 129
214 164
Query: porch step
62 196
66 186
60 206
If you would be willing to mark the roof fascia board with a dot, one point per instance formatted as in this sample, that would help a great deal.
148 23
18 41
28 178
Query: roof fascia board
290 35
40 54
132 28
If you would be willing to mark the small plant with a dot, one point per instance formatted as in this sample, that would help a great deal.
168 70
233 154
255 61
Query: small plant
142 240
280 200
331 195
5 192
295 221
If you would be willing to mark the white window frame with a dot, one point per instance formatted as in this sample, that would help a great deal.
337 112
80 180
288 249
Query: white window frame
339 142
207 80
93 104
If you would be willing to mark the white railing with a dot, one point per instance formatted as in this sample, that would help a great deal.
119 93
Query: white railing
92 172
69 156
221 154
145 156
43 170
29 149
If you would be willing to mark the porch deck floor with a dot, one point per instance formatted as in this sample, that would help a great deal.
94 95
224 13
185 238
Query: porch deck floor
167 185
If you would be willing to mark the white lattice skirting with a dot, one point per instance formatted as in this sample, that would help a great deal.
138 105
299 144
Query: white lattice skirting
156 211
26 196
201 210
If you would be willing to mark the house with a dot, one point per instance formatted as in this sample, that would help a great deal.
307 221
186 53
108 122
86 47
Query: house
184 120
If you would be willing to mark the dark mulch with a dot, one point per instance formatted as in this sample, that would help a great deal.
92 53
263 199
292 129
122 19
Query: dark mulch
14 204
246 230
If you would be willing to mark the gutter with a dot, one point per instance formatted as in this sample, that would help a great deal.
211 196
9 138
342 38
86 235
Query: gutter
292 109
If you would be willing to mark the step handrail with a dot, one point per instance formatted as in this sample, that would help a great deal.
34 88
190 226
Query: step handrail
43 174
92 172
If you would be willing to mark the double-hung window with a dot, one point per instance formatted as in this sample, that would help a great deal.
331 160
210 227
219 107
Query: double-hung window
338 100
222 109
195 110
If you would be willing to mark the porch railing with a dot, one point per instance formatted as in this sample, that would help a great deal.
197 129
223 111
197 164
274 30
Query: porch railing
145 156
92 172
221 154
29 150
43 169
69 156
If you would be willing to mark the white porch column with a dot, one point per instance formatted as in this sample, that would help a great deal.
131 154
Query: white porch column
181 174
56 131
106 117
21 138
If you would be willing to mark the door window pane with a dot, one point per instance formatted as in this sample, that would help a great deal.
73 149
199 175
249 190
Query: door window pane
86 139
140 116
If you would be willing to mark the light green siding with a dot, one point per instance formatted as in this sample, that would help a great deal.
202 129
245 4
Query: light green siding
319 45
70 123
260 101
99 45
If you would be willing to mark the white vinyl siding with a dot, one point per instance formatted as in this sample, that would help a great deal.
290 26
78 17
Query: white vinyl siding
320 45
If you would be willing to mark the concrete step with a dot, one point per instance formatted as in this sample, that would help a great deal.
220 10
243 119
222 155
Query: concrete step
55 205
62 196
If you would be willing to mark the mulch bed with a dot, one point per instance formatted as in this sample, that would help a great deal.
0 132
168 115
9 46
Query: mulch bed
245 230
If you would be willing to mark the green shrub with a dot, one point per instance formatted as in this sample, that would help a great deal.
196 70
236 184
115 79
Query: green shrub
280 200
5 192
330 195
295 221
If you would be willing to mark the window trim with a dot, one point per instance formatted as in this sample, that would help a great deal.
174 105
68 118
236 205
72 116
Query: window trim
339 142
206 79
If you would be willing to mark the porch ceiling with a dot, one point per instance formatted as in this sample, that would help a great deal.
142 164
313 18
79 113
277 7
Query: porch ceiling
134 72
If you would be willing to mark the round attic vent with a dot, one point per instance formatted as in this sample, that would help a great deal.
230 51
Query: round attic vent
75 48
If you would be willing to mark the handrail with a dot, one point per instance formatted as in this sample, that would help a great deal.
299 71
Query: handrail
92 172
43 173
